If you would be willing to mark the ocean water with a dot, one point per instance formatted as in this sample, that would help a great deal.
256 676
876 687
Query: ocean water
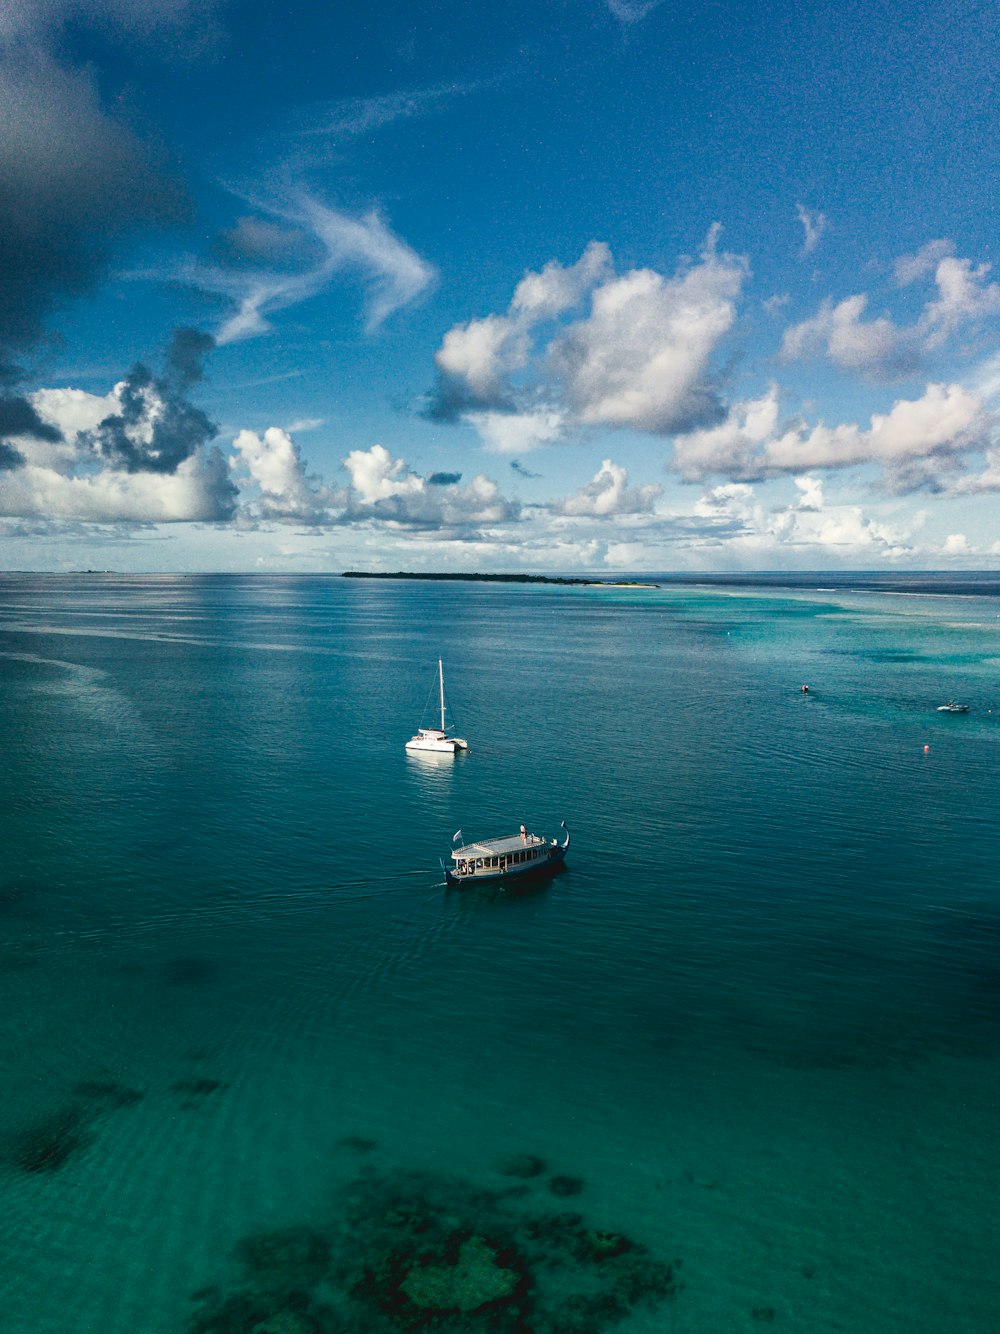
748 1038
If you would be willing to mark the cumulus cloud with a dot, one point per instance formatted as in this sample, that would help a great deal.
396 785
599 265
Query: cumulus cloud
608 495
517 432
964 296
156 427
639 359
198 490
387 490
753 530
331 241
909 268
477 360
880 348
274 465
986 480
915 443
139 454
813 224
875 347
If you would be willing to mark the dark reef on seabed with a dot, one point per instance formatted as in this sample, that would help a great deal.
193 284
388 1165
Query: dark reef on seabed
406 1251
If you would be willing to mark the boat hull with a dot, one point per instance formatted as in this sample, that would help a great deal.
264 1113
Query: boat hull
489 875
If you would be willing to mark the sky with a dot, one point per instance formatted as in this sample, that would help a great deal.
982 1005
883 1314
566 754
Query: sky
594 286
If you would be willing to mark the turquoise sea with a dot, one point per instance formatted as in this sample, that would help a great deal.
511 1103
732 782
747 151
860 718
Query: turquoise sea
736 1067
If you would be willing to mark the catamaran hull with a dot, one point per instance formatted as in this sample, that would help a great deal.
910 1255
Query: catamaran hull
480 876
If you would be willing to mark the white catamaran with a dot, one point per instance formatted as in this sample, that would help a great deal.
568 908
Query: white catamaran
436 738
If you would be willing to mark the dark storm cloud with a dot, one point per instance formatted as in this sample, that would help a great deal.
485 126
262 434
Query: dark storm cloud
10 458
157 428
451 398
72 181
185 357
18 417
444 479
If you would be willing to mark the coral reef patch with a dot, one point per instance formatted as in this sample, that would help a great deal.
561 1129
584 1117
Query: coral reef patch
407 1251
564 1186
46 1144
520 1165
52 1139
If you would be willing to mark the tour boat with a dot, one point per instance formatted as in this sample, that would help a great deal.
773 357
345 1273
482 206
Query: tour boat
437 738
502 858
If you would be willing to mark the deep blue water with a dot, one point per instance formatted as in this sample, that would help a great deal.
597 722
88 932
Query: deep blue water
758 1014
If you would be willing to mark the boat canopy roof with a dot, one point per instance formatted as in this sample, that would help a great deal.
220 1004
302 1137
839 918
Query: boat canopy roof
498 847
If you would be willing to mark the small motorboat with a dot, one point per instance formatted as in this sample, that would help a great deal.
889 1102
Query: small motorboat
502 858
436 739
952 707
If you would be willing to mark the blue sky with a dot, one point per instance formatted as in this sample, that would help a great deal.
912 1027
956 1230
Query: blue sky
600 285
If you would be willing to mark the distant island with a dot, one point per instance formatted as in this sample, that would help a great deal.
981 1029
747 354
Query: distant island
501 578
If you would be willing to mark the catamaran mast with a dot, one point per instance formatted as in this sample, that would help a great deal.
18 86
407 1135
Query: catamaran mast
441 682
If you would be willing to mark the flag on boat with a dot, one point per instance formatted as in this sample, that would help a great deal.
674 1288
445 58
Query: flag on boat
456 836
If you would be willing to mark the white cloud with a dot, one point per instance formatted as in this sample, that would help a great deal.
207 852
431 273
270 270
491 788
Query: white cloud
517 432
982 482
75 479
733 447
273 462
868 346
843 534
639 359
476 359
883 349
964 296
813 224
913 442
955 544
543 296
197 491
608 494
909 268
386 490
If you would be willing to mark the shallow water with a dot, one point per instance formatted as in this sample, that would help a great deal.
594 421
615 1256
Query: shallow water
758 1012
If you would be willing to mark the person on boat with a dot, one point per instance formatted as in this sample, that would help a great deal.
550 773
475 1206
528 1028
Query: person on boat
524 834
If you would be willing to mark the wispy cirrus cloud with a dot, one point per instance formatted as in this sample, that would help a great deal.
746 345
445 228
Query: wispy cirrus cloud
632 11
352 117
391 272
813 224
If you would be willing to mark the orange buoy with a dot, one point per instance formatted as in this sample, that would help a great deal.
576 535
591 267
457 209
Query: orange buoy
927 750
